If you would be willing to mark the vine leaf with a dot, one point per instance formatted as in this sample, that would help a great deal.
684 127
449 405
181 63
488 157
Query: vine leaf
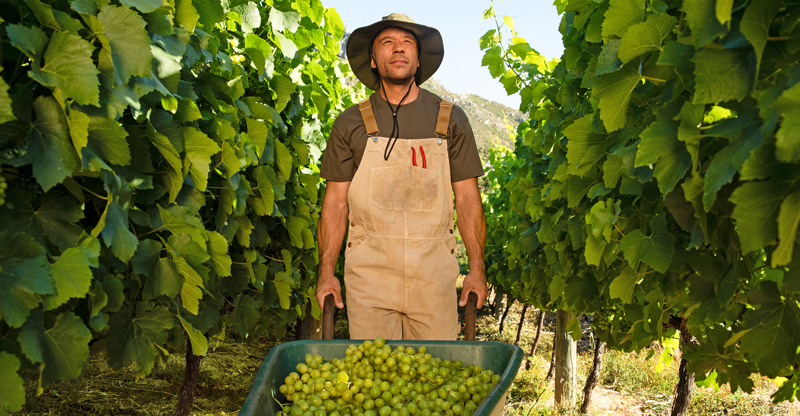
645 37
614 91
62 349
702 18
72 276
218 251
775 324
757 208
199 149
623 285
788 221
787 139
730 365
191 290
283 159
165 280
136 335
284 21
621 15
283 88
755 25
12 392
660 143
128 40
723 75
656 250
24 274
69 68
186 15
106 138
198 340
210 12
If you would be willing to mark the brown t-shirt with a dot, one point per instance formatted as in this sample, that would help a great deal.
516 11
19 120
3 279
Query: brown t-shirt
417 120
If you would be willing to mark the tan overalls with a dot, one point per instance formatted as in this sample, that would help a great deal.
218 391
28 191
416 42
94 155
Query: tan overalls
400 270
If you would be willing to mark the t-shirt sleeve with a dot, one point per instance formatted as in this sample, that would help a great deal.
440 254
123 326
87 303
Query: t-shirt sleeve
338 163
465 162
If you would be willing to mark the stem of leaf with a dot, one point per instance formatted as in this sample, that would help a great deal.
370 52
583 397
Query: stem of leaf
98 196
150 232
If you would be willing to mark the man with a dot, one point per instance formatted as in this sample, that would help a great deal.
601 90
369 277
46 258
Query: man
390 165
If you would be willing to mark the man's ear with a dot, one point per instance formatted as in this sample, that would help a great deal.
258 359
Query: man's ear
372 62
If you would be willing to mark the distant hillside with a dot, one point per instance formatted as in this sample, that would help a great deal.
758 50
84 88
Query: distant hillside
488 118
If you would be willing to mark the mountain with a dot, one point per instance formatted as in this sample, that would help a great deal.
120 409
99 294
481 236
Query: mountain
487 118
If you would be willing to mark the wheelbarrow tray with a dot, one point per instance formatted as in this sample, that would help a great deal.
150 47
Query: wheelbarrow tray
503 359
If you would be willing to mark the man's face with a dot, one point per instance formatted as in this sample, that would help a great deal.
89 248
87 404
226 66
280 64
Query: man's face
395 55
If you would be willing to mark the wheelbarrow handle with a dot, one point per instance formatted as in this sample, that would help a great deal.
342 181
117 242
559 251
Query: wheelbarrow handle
469 317
327 317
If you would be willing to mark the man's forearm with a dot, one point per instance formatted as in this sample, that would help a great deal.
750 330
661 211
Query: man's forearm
472 226
330 233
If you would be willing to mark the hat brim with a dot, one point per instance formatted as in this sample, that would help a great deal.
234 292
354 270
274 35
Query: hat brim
360 41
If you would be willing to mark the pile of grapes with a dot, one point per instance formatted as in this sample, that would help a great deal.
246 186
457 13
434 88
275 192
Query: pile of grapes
373 380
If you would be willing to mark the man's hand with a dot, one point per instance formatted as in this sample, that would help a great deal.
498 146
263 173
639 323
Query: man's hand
472 226
474 282
330 232
328 284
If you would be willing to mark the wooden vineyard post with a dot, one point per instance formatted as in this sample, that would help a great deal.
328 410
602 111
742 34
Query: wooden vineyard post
312 328
566 352
594 377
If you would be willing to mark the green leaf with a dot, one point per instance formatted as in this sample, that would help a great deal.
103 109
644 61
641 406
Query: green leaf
251 18
673 53
186 15
258 50
788 221
295 226
601 219
577 188
107 139
72 277
708 357
624 285
283 88
6 112
655 250
646 36
48 146
702 18
660 143
218 250
137 336
264 186
63 349
772 342
146 257
283 160
723 11
12 392
757 208
165 280
30 40
190 250
191 290
284 21
117 233
245 314
179 219
78 130
787 139
20 282
69 68
175 165
621 15
56 219
44 13
210 13
608 61
130 45
283 284
614 91
723 75
755 25
144 6
258 132
198 340
199 149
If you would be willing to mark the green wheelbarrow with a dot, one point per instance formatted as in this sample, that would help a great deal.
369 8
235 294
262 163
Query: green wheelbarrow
503 359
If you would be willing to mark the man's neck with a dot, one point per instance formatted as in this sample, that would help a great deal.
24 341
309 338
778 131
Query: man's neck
394 93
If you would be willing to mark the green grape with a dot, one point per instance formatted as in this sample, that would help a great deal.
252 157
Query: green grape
374 380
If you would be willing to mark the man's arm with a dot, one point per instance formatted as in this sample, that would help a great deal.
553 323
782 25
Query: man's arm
472 226
330 233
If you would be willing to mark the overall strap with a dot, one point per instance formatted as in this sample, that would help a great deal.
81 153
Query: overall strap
444 118
369 118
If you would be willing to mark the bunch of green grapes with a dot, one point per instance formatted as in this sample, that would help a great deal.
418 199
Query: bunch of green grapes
3 187
374 380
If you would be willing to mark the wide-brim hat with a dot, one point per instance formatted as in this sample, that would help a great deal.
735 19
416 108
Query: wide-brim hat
359 45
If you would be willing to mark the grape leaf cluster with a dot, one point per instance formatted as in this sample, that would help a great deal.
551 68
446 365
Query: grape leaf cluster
656 183
372 379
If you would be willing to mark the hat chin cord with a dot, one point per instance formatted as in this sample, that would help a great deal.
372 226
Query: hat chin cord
395 126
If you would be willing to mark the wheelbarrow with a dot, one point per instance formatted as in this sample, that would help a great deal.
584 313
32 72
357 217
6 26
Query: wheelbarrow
503 359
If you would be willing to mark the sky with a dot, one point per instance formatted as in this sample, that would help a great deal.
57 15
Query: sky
460 23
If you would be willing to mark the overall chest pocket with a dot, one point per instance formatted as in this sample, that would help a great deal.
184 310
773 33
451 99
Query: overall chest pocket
405 188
